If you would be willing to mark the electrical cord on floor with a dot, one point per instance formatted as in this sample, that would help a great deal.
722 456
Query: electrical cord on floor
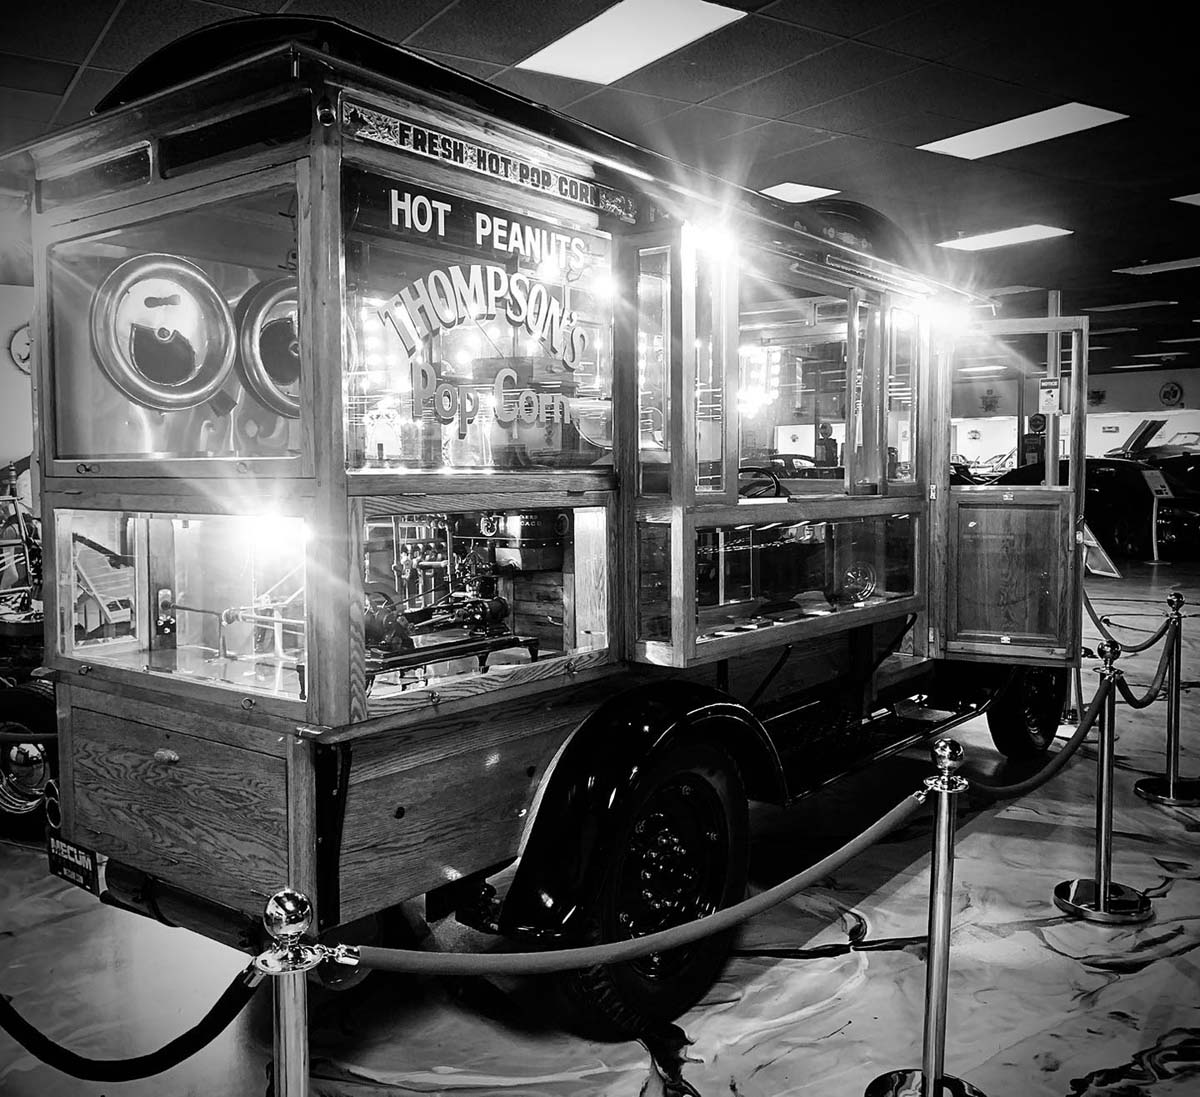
226 1008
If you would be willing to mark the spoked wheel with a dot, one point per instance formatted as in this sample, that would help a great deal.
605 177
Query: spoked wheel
765 483
678 851
1024 716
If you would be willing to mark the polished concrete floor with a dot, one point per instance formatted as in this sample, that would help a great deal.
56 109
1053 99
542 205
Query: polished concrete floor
823 993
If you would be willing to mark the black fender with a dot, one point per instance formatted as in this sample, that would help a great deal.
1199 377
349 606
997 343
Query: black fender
568 843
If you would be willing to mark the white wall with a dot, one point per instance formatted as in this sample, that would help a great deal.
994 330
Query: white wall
16 412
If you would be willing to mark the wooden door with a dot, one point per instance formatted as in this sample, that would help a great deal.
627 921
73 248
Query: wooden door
1013 546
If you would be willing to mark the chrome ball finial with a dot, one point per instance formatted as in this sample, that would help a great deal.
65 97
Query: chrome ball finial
1108 650
1175 601
287 915
948 755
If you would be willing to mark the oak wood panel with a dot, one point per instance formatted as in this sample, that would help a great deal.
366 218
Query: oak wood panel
301 821
408 830
213 822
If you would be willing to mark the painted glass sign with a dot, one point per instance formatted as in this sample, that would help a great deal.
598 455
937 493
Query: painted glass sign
482 335
457 150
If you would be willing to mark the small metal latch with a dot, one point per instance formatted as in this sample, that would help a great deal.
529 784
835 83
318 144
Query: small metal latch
1008 496
311 731
933 493
1006 639
1079 537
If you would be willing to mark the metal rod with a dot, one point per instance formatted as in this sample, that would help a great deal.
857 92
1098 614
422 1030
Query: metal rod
1104 803
933 1051
291 1034
1174 682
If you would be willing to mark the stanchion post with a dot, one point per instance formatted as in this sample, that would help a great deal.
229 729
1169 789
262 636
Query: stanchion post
287 918
931 1080
1170 788
1100 899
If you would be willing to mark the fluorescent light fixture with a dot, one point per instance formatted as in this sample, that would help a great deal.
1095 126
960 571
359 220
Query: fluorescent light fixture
1098 346
1140 365
1189 339
1110 331
1027 130
1021 234
1159 268
628 36
980 369
797 192
1129 305
1163 354
1190 199
1006 291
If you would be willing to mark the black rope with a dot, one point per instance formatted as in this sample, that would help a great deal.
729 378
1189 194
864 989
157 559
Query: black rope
1151 694
1056 764
570 959
1130 649
227 1007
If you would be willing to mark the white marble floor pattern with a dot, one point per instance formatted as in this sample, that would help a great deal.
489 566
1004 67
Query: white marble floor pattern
822 994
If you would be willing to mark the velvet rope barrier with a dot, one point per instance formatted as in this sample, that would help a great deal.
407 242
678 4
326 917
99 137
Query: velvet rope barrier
540 963
1056 764
226 1008
1151 694
1128 649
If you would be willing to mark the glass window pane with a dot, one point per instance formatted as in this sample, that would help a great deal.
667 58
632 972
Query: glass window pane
710 380
901 398
180 337
751 577
654 370
654 581
792 385
457 593
480 337
212 599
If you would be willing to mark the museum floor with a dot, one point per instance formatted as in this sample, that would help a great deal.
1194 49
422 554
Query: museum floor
823 994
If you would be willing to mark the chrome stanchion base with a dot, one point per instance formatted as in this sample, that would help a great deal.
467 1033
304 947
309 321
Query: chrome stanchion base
911 1083
1125 905
1158 791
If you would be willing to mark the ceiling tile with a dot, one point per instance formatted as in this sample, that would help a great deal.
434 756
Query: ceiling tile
91 86
624 113
768 140
16 131
542 87
678 134
826 76
733 55
505 31
917 128
385 18
33 105
839 17
934 31
483 70
31 74
143 26
58 30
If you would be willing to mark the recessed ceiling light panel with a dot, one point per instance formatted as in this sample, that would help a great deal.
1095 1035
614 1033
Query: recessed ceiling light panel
1160 268
797 192
1020 234
1027 130
1128 306
628 36
1190 199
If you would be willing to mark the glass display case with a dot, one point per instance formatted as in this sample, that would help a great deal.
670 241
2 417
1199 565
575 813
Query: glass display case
483 334
178 337
206 598
455 593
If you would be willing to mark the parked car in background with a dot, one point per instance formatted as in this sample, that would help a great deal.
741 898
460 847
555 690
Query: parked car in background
995 465
1182 471
1119 507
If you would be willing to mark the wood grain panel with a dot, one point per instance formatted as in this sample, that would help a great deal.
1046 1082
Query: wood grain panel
409 830
213 822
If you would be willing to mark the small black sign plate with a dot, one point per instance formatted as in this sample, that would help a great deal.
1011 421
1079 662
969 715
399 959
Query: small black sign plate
73 863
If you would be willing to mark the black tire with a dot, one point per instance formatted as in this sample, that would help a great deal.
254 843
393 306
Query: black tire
26 766
688 811
1024 716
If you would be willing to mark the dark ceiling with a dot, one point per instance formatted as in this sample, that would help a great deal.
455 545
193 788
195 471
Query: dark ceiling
832 93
